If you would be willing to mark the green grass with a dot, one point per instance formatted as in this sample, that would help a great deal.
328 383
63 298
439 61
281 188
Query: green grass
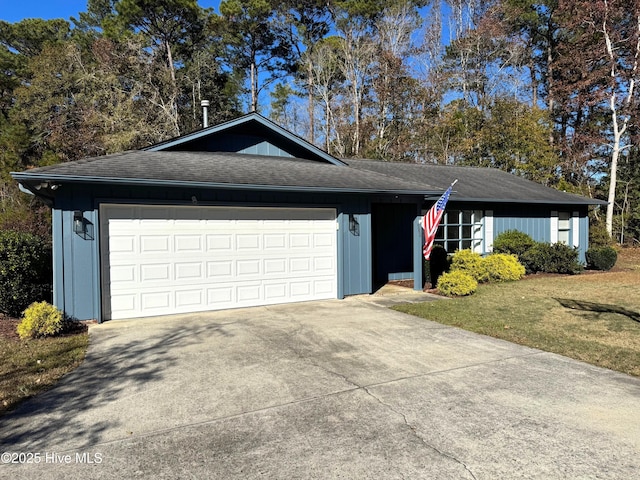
592 317
28 367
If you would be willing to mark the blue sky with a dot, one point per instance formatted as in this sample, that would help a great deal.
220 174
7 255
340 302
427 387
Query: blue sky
16 10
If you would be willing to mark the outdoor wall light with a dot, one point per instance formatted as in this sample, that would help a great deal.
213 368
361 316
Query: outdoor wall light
78 222
354 226
46 185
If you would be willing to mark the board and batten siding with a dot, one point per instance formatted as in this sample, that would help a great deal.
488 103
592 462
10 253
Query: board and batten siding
77 262
354 250
542 224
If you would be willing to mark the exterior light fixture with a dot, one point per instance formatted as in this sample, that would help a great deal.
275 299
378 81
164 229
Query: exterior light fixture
354 226
78 222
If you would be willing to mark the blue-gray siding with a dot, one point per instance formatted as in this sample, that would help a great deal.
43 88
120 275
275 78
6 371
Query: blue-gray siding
77 264
534 220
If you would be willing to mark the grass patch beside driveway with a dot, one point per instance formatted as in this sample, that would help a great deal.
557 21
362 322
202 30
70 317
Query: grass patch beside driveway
28 367
592 317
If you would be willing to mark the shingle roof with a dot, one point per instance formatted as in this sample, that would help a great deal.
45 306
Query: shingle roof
239 170
223 170
475 184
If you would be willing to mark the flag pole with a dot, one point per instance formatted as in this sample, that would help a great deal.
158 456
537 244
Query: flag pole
431 221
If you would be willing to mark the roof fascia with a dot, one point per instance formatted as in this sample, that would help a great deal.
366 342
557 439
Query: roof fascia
39 177
586 201
242 120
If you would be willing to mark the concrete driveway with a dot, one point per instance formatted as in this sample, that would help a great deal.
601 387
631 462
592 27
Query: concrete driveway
332 389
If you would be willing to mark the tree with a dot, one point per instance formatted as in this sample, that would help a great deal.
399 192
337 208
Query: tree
19 42
599 65
169 26
326 80
627 223
255 44
305 22
535 24
356 62
515 138
392 85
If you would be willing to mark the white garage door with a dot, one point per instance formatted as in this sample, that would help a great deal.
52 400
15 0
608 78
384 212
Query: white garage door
163 260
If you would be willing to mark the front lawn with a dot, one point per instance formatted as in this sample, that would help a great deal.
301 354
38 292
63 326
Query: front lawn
593 317
28 367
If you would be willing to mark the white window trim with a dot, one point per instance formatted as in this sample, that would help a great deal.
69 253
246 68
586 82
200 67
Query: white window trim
487 239
554 227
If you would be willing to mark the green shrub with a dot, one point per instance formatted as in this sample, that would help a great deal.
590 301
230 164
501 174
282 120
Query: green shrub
40 319
513 242
457 283
25 271
601 258
598 235
471 263
502 267
551 258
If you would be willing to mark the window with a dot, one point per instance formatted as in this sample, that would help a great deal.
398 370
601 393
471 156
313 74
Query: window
459 230
564 227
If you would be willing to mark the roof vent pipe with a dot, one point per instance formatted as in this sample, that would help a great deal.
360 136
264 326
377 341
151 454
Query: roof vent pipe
205 116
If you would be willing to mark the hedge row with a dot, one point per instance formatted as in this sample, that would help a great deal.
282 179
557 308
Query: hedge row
26 273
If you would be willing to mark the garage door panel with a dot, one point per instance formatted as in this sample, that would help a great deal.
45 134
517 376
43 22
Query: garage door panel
300 240
154 272
248 293
274 241
276 292
122 244
188 271
275 266
248 268
220 296
153 300
219 241
186 259
249 241
154 244
301 288
323 240
124 302
300 265
189 298
323 264
323 287
123 273
220 269
188 243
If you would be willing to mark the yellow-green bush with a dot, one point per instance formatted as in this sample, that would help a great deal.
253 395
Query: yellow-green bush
499 267
457 283
40 319
502 267
471 263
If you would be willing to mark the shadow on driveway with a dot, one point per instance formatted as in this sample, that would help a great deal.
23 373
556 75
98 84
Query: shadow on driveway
112 370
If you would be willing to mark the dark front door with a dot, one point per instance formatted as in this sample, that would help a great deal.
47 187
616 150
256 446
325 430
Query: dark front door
392 226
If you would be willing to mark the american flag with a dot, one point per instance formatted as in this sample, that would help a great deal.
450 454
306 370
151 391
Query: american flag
431 220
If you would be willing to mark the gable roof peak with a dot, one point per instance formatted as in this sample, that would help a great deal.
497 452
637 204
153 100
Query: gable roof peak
249 133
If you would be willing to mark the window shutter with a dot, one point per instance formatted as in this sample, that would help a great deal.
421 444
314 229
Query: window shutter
553 238
488 231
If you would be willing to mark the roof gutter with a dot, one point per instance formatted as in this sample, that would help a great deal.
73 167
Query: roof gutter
586 201
42 177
